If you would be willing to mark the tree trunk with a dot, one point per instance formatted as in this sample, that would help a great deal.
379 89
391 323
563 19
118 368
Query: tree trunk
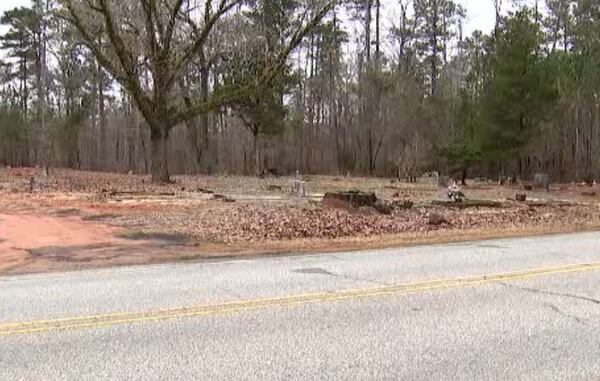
434 45
195 151
202 146
102 119
159 166
370 142
368 16
377 32
257 166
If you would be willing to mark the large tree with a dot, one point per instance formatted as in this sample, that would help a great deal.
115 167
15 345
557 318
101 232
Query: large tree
519 91
21 44
155 35
436 22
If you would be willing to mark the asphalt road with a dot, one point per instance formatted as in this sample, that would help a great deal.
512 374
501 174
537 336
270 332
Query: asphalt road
524 309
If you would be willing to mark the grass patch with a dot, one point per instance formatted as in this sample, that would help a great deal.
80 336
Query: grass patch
164 238
99 217
69 212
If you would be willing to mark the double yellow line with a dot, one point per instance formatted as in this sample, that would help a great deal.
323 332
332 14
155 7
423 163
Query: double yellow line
83 322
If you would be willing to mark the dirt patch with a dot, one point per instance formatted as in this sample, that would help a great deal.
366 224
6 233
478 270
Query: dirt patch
38 243
25 232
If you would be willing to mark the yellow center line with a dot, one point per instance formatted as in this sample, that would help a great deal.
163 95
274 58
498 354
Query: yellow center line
104 320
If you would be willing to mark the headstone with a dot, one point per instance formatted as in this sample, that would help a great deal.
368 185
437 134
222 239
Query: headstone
541 181
298 189
443 181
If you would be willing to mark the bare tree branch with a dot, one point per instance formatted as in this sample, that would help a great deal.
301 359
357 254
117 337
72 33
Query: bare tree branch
235 94
223 7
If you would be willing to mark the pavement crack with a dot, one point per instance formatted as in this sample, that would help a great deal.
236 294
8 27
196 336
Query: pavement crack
564 314
321 271
546 292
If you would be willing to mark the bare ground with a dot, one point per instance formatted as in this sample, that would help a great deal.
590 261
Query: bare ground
77 220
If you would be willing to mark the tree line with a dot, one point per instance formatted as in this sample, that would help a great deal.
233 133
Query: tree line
257 86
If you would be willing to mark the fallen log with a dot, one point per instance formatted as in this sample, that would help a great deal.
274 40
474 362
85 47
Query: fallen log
465 204
138 193
546 203
354 199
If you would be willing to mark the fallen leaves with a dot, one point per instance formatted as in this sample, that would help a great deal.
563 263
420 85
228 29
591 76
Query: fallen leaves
210 217
257 223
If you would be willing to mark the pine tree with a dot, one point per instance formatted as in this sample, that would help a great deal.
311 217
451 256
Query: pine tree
519 92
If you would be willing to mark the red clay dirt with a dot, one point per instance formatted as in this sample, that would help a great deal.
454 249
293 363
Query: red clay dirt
23 233
36 243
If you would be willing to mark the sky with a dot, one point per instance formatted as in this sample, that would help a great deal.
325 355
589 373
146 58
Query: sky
10 4
480 13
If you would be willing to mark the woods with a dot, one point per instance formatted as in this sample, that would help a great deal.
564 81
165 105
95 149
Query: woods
279 86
